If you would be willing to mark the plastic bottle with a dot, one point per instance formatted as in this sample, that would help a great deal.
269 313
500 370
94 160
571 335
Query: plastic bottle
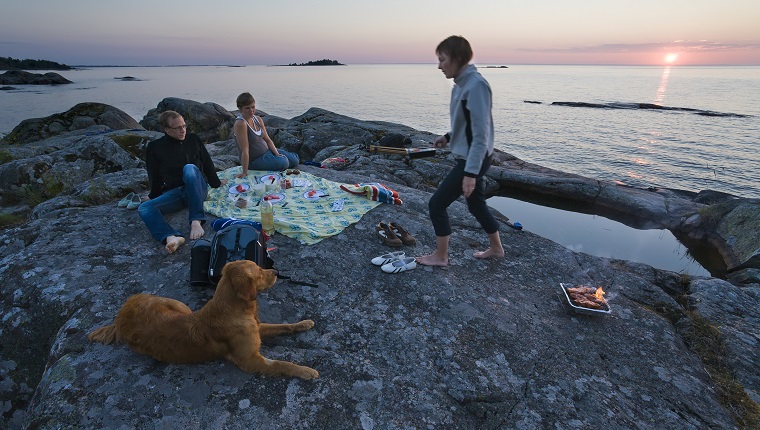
267 217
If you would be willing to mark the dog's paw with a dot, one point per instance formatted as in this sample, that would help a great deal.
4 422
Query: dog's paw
304 325
307 373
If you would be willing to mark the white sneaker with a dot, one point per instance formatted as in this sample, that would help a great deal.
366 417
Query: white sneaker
388 258
399 266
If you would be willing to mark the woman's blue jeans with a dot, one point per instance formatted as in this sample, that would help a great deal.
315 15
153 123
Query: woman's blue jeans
191 196
269 161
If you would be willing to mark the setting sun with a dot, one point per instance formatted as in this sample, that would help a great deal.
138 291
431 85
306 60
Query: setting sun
671 58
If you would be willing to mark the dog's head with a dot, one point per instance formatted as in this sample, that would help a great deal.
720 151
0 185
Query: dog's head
245 279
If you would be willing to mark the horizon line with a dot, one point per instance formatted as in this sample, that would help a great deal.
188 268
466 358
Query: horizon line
421 63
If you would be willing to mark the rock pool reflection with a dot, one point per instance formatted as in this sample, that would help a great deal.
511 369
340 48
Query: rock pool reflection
602 237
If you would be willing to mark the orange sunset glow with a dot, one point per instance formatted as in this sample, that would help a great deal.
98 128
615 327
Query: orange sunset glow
671 58
651 33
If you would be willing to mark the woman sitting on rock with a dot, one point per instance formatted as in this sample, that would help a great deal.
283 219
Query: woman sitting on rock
257 151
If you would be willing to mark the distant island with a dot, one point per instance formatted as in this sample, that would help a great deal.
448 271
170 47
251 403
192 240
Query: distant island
318 63
8 63
494 67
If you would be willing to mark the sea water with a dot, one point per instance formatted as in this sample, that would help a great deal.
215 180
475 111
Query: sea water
641 147
706 142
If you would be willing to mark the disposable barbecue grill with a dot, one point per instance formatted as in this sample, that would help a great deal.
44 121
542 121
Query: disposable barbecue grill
565 297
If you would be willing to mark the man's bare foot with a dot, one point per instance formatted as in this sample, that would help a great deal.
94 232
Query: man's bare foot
196 230
489 253
174 242
432 260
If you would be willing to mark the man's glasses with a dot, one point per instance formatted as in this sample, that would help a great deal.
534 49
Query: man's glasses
179 127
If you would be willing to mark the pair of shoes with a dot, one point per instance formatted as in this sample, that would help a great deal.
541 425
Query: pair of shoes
398 266
135 202
125 201
389 237
388 258
405 236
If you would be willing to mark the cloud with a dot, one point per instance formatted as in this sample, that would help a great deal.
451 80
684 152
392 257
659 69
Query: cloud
702 46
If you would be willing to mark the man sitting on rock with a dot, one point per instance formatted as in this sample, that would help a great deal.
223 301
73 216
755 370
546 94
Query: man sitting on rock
180 171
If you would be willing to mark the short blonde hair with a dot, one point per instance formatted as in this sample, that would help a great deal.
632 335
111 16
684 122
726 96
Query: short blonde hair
167 116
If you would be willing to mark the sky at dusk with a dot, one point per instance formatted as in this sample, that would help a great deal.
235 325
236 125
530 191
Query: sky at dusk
194 32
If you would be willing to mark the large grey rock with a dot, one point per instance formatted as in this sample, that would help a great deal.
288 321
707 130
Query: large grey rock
20 77
480 344
210 121
737 231
54 171
81 116
729 309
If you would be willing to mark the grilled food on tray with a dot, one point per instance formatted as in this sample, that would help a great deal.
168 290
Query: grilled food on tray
587 297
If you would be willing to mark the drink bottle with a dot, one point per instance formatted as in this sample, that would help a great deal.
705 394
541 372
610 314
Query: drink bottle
267 217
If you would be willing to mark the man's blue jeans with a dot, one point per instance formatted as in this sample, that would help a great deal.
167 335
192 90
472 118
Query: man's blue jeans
191 196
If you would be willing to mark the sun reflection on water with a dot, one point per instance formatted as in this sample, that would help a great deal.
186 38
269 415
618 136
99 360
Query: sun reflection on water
663 86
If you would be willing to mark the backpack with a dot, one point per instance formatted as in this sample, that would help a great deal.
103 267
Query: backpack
231 243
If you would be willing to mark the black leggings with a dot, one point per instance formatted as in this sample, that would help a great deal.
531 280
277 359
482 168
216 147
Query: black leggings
450 189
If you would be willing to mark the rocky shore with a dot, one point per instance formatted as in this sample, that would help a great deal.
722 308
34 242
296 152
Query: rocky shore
480 344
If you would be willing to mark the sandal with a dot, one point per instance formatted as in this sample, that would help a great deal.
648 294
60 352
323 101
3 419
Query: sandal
406 237
389 237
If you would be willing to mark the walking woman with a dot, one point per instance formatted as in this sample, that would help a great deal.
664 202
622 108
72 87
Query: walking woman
471 141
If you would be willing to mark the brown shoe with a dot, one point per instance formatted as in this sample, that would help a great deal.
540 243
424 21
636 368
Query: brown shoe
389 237
406 237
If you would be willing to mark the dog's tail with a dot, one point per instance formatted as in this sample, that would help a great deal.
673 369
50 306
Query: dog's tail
107 335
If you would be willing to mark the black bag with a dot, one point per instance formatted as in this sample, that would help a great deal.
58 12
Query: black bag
200 254
395 140
231 243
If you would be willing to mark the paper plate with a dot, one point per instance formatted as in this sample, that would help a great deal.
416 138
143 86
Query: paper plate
277 197
316 194
233 189
267 179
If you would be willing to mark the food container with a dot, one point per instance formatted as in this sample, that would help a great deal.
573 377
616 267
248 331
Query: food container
258 189
564 297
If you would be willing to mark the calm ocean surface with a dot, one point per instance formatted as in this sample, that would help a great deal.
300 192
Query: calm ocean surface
641 147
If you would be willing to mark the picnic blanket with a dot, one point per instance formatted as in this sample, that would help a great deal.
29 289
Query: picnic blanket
308 219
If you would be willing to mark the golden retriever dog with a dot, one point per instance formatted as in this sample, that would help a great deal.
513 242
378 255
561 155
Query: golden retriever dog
226 327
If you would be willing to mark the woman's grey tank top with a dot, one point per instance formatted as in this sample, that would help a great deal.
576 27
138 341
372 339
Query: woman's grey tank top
256 144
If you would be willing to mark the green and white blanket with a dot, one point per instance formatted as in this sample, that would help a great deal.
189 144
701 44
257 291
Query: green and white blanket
298 215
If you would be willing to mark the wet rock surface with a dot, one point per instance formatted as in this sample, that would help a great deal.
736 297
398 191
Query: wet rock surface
480 344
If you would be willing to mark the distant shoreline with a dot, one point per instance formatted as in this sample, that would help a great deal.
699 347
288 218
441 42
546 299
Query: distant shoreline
732 66
324 62
8 63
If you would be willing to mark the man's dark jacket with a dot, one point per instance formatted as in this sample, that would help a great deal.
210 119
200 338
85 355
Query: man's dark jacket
166 157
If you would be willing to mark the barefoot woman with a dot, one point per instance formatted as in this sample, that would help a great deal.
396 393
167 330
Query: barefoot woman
471 140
